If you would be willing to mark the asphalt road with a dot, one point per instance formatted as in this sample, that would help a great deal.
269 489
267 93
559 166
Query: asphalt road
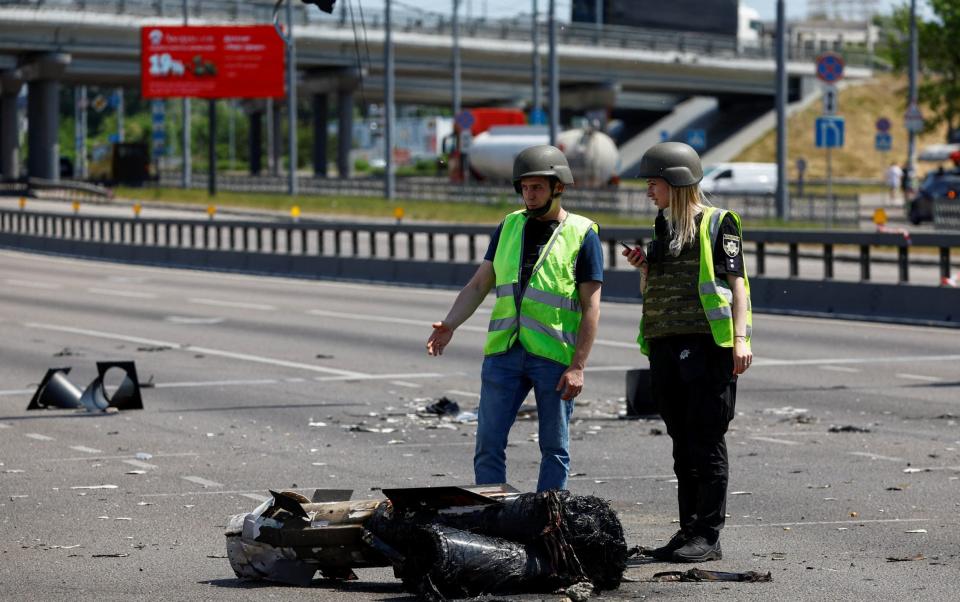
256 383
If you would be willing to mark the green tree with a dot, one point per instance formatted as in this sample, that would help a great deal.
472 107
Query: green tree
938 83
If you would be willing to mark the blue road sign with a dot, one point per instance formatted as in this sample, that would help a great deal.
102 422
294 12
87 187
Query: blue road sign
883 124
883 141
464 120
537 117
830 67
113 138
697 139
829 132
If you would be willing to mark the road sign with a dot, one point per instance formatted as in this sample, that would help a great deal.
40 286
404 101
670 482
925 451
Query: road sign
537 117
883 124
883 141
829 132
913 119
99 103
801 165
830 67
464 120
697 139
831 100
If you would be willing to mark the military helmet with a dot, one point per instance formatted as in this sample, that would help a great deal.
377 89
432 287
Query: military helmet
542 160
675 162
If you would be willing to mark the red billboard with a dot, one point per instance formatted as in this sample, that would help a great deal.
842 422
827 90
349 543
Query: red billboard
235 61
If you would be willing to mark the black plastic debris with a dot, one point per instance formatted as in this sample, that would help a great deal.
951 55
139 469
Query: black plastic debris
848 429
57 391
699 575
444 407
443 542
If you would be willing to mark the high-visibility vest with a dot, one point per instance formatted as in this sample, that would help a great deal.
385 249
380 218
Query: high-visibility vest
549 317
715 294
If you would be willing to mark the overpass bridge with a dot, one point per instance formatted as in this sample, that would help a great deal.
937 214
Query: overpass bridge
46 43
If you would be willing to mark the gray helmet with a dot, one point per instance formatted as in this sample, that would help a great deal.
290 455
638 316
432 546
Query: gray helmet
543 160
675 162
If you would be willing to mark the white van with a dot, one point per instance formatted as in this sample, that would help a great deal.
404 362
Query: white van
740 178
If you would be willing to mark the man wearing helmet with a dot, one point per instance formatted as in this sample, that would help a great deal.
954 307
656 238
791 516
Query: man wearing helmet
695 327
545 265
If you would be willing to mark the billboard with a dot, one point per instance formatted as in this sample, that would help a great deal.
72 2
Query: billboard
211 62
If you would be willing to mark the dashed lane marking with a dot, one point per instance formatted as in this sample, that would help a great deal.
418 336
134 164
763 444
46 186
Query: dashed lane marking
403 383
38 436
921 377
205 350
202 481
876 456
912 359
85 449
236 304
772 440
139 464
31 284
839 369
4 426
645 477
16 392
124 457
111 292
466 393
218 492
215 383
255 497
835 522
384 376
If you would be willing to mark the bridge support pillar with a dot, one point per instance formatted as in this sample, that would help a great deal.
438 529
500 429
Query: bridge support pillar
10 84
320 107
42 73
344 131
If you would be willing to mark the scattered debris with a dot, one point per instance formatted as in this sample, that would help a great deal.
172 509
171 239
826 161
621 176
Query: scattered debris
848 429
56 390
154 348
143 456
914 470
94 487
324 356
444 406
741 493
786 411
916 531
656 432
895 488
917 556
579 592
67 352
698 575
116 555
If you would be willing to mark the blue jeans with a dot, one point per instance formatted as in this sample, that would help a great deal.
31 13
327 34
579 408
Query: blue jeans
506 380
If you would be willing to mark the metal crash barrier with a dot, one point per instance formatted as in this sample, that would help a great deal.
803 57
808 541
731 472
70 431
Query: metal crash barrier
444 255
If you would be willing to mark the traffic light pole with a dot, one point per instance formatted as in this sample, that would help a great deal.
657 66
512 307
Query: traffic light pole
783 190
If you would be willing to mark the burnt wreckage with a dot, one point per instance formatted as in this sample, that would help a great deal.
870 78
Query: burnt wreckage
443 542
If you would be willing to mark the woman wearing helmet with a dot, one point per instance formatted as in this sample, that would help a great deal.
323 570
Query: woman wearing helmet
695 328
546 267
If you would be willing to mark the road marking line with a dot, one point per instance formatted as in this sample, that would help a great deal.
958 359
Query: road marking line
457 444
204 350
31 283
193 320
4 426
216 383
86 458
608 368
403 383
221 492
907 376
110 292
857 360
237 304
772 440
383 376
837 522
839 369
256 497
85 449
623 478
202 481
38 437
467 393
876 456
139 464
16 392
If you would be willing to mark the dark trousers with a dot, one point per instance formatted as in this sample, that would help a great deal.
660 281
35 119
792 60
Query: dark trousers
693 384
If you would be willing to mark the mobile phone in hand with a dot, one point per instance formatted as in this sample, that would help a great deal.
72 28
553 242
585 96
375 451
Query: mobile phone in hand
643 255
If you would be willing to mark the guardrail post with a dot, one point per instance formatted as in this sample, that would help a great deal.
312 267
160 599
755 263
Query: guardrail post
274 240
320 241
303 240
473 247
761 258
612 252
100 234
72 226
794 260
410 241
337 245
451 249
392 244
944 262
828 261
430 246
864 262
258 239
903 261
373 243
355 242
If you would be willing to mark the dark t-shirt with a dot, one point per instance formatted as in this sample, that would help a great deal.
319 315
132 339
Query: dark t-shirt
535 236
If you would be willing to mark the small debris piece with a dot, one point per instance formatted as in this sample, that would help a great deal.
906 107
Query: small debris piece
917 556
697 575
94 487
913 470
741 493
895 488
136 472
118 555
67 352
656 432
579 592
848 429
444 407
324 356
143 456
916 531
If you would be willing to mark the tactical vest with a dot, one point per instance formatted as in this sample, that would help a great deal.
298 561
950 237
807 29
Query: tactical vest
549 316
715 294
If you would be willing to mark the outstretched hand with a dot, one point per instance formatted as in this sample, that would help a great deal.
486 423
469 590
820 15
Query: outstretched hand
439 338
571 383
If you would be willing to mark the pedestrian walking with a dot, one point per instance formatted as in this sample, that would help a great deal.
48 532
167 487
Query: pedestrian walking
545 265
893 176
695 328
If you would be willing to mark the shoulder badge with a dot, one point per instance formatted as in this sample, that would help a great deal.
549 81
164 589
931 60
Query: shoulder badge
731 245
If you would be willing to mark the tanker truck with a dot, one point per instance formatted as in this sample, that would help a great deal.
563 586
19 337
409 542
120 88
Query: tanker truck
593 156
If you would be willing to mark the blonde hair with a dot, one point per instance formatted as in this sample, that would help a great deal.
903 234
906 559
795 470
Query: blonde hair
686 202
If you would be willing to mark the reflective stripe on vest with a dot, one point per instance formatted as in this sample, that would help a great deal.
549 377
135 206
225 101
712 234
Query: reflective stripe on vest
550 312
715 294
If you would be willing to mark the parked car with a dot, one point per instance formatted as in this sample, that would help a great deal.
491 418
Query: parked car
740 178
940 184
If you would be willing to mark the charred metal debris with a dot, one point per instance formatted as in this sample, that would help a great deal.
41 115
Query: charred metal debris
442 542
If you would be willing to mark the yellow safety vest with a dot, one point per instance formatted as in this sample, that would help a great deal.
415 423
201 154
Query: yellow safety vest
549 317
715 294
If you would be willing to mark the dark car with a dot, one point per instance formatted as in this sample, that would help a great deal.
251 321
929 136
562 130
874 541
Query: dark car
936 185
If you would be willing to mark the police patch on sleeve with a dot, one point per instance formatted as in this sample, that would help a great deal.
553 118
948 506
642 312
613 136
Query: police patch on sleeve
731 245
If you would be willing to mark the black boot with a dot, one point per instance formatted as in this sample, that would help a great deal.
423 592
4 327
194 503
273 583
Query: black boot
665 552
698 549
